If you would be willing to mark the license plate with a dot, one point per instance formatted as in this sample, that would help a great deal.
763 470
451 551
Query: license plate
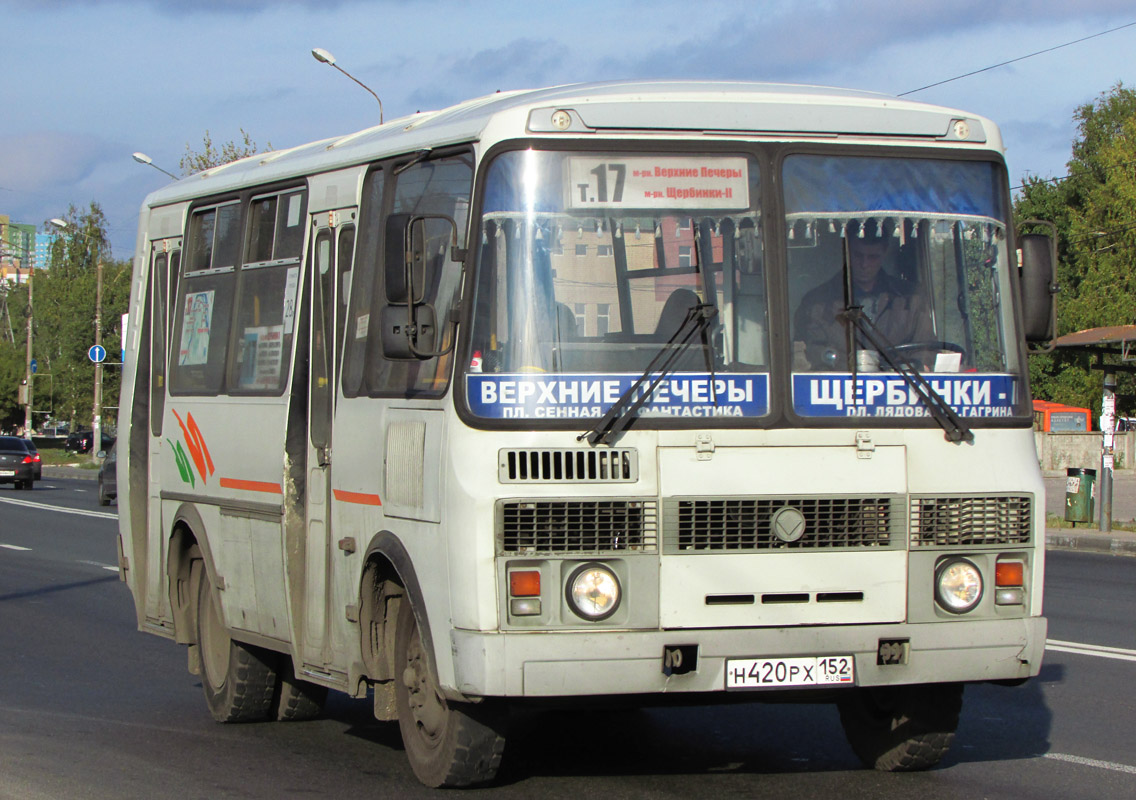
7 473
778 673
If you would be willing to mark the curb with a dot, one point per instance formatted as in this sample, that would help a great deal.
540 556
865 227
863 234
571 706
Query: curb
1103 543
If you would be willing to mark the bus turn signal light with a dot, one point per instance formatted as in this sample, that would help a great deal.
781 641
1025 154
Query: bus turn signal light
524 583
1009 573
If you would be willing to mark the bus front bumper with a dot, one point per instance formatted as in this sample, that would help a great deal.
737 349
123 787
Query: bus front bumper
580 663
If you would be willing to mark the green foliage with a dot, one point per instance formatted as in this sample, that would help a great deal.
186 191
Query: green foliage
64 299
1095 214
12 369
210 156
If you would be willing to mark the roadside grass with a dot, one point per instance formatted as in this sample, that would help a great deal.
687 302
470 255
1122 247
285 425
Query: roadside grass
1059 521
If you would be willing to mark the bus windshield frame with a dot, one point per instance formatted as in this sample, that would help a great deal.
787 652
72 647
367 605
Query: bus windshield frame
554 341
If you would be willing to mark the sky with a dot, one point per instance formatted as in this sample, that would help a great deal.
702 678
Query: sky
86 83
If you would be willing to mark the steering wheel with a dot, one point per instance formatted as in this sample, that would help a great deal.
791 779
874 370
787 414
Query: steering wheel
915 347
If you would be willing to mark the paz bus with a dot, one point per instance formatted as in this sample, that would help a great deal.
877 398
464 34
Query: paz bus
511 403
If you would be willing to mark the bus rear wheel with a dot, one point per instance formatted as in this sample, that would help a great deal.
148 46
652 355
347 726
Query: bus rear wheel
448 744
902 728
239 680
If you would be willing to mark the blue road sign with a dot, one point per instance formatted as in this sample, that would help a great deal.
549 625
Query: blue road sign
97 353
33 365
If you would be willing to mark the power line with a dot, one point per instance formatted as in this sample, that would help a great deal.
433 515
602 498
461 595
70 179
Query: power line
1073 175
1019 58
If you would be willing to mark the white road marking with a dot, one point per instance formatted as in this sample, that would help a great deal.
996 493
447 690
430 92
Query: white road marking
1100 651
1092 762
100 565
79 511
14 547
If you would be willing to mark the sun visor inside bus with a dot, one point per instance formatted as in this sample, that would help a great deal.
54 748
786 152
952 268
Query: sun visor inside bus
814 118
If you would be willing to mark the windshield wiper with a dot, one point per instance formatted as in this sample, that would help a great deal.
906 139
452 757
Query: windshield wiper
951 423
622 411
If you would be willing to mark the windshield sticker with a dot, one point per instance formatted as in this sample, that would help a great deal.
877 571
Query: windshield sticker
195 329
835 395
261 357
670 182
582 396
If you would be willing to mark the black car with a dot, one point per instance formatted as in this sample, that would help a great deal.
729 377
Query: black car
19 462
108 478
80 441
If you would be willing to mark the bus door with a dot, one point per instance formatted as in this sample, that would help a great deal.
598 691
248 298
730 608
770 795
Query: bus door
333 243
165 261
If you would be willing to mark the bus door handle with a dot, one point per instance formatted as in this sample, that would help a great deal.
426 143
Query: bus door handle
323 458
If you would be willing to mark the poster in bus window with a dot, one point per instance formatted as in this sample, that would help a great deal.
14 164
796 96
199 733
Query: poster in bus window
262 355
195 329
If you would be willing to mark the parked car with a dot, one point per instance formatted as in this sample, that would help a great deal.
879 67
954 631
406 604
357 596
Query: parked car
19 462
108 478
80 441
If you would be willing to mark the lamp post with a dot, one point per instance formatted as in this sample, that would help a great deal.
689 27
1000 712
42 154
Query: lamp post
324 57
97 405
142 158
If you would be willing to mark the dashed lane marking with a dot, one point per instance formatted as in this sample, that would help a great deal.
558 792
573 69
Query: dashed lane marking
1092 762
14 547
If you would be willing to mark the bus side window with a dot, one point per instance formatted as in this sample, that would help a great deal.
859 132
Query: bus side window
204 307
163 264
356 328
440 186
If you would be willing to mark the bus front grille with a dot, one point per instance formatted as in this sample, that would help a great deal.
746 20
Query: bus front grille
748 524
577 526
975 520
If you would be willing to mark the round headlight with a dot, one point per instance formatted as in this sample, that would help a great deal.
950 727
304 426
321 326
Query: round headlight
958 585
593 592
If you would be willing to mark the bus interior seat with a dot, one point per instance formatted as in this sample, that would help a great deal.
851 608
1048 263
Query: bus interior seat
674 312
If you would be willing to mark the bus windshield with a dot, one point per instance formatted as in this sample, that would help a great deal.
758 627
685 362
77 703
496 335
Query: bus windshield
918 247
589 265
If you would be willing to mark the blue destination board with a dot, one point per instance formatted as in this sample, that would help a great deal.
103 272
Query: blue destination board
971 394
582 396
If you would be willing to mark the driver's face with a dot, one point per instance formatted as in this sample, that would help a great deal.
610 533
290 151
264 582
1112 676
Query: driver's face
866 260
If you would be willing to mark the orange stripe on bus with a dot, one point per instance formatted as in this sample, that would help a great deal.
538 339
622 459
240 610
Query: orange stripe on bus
251 486
361 498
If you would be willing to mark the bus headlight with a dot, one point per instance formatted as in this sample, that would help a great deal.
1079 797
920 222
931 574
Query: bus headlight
958 585
593 592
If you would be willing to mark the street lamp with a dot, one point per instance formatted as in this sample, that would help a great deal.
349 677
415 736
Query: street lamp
97 406
142 158
324 57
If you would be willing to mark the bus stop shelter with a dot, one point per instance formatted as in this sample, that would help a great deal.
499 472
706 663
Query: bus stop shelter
1114 350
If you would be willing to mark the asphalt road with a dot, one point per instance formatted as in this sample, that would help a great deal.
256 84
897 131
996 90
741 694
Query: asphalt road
90 708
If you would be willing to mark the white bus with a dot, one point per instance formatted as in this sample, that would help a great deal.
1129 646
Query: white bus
585 392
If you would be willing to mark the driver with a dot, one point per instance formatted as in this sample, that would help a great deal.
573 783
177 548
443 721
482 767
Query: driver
898 310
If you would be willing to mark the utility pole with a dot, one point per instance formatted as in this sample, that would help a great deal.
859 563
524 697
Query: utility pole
97 411
28 362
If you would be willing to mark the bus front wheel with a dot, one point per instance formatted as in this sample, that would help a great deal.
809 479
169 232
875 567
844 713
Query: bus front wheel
448 743
901 728
239 680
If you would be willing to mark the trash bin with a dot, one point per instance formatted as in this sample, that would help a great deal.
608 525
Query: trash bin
1079 494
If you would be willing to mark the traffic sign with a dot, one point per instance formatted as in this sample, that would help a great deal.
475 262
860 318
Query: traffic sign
97 353
33 365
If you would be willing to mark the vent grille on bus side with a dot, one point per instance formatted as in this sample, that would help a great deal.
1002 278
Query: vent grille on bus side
577 526
583 465
743 524
946 521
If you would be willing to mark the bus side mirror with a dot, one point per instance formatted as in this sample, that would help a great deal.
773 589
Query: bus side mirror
405 262
409 333
1038 269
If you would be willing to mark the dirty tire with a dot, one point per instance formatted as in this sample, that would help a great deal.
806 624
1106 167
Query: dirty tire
449 744
104 500
239 680
902 728
296 700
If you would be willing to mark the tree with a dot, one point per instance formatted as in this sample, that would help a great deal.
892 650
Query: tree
64 317
209 156
1094 210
